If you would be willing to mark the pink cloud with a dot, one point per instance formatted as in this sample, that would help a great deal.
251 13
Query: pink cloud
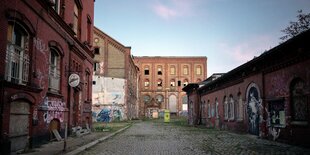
164 11
173 8
247 50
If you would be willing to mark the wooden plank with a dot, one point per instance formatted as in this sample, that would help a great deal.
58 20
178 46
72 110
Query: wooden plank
57 135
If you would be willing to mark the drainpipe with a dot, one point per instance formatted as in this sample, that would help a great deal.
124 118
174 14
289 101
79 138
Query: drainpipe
1 108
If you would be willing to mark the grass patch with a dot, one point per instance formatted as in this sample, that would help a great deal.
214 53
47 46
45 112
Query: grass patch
109 127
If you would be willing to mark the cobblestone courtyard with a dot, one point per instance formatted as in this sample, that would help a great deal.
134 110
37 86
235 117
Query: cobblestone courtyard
156 137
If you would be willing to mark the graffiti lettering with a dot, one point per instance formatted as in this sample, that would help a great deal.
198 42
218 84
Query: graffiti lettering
39 45
54 108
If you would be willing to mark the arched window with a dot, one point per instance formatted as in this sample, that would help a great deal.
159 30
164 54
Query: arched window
225 107
172 70
231 108
185 70
159 83
203 109
185 82
239 107
253 101
54 70
299 104
89 29
159 99
17 54
77 19
159 70
56 5
146 83
198 70
216 108
87 85
146 70
172 83
146 99
209 109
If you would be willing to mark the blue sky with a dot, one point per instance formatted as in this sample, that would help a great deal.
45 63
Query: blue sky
228 32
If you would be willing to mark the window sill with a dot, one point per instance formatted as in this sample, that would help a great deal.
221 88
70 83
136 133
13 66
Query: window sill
53 93
299 123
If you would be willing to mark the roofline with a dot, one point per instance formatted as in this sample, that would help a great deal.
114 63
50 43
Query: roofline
97 29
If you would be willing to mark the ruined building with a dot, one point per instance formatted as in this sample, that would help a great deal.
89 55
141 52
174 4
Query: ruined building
115 80
162 79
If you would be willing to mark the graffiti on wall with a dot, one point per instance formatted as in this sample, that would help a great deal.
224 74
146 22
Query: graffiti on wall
253 108
275 117
108 99
108 113
40 45
54 109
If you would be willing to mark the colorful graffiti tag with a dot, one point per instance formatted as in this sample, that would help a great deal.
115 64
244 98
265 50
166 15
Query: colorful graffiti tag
108 113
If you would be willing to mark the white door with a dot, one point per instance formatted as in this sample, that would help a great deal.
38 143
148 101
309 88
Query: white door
19 125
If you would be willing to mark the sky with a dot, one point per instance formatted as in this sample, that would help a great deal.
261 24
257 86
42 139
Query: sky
228 32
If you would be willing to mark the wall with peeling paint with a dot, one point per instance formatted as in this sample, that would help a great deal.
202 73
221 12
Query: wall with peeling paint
108 95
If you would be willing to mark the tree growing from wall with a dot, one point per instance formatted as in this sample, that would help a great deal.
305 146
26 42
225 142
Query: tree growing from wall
302 24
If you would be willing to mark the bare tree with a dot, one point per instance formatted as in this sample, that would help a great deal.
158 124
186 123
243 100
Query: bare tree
295 28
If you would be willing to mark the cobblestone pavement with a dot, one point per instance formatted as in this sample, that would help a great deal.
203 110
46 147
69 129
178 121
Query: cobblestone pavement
148 137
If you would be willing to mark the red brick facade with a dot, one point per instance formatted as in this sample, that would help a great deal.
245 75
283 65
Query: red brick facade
39 51
162 79
267 96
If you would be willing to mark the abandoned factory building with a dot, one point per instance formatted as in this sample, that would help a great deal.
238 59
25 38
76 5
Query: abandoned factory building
161 81
267 96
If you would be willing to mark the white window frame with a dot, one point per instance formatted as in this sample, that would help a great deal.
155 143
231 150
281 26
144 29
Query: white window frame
17 58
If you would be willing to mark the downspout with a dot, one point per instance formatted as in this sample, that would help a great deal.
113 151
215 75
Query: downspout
1 110
199 108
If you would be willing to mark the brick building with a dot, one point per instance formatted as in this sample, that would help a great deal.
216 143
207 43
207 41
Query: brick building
43 43
115 83
267 96
162 80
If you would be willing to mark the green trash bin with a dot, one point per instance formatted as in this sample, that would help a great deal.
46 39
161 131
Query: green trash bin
167 116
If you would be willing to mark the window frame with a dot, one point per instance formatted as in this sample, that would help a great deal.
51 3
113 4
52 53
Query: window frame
17 55
298 95
54 70
172 70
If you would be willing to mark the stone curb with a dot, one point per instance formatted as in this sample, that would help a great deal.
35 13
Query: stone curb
91 144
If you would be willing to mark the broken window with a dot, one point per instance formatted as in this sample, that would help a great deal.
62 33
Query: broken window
172 83
159 70
179 83
97 51
146 71
299 100
159 83
146 83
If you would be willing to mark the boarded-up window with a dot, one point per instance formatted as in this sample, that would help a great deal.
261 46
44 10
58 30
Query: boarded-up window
299 100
